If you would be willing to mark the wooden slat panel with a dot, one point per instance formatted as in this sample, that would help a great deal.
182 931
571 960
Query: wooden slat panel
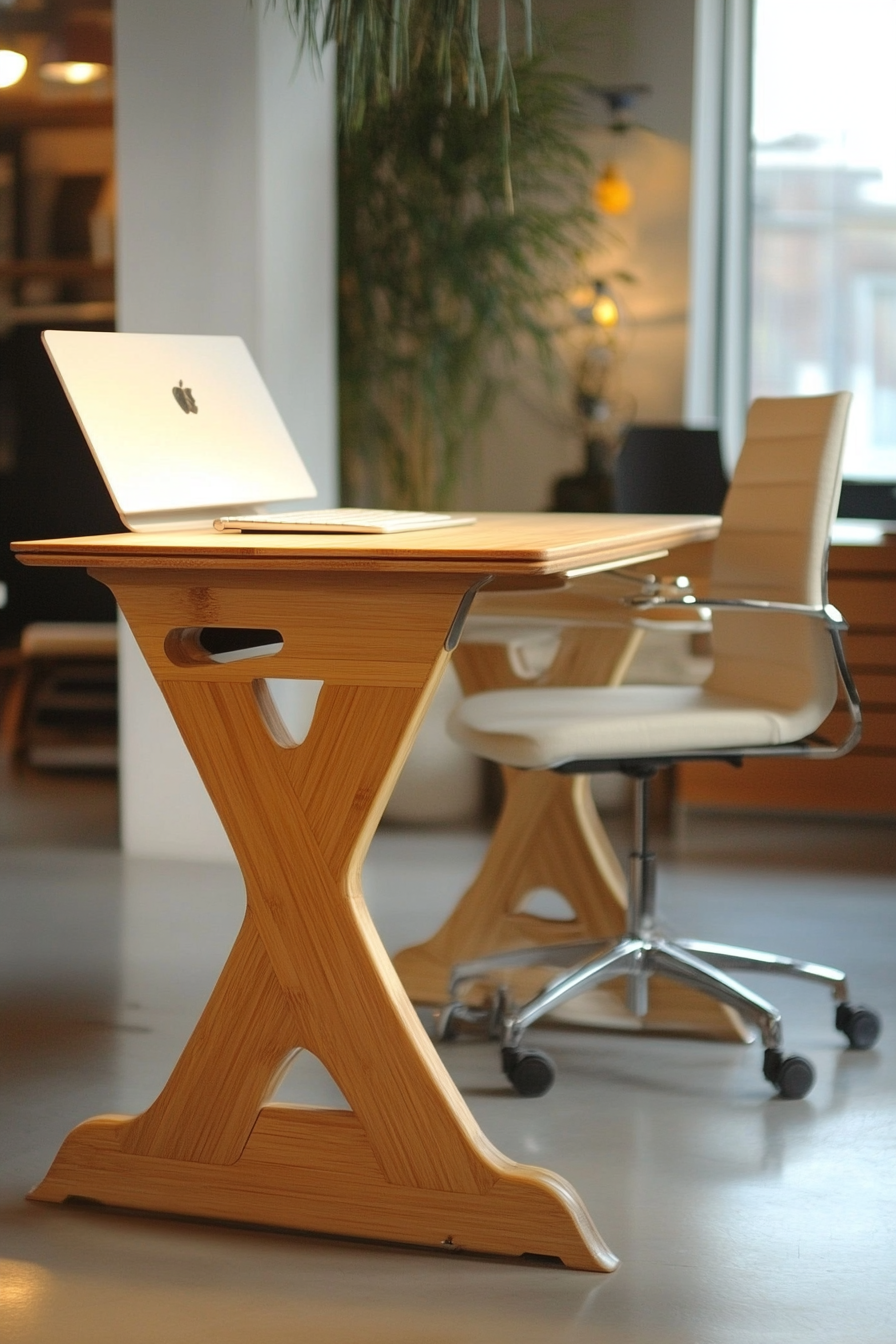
878 727
863 559
856 784
866 601
866 650
876 688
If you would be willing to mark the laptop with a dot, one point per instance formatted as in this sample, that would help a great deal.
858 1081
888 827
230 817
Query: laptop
186 436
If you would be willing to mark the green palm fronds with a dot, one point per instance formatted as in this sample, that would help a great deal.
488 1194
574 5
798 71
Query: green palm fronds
382 44
445 275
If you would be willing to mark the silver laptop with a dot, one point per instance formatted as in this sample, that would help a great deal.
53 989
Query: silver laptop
187 436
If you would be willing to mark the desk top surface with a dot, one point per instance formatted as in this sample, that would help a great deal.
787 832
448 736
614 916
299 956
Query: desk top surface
509 543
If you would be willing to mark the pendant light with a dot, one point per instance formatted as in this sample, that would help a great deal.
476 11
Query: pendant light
612 193
12 67
80 52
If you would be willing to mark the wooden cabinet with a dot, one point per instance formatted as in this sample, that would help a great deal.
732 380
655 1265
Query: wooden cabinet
863 586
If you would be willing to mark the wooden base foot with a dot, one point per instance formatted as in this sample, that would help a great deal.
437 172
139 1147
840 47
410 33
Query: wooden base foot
314 1170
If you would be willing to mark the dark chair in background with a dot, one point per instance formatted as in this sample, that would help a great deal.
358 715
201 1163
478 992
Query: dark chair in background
868 499
50 486
57 631
669 469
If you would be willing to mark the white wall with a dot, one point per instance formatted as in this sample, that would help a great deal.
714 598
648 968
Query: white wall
226 225
535 436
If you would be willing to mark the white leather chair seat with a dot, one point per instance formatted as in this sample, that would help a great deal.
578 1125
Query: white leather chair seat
541 728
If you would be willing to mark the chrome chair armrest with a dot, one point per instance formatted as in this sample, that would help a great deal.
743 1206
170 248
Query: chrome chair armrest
652 586
835 625
852 695
827 613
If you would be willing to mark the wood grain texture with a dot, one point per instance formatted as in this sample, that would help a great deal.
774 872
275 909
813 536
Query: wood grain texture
369 618
408 1163
314 1170
536 543
868 603
858 784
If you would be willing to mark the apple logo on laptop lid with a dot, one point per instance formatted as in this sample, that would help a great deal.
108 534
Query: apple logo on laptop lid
185 399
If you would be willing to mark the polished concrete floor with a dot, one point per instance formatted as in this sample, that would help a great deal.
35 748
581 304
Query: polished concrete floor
738 1217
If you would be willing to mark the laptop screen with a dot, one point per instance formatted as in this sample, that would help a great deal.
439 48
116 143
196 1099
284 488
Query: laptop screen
182 428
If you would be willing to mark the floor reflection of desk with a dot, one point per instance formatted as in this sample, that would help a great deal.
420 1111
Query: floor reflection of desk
374 619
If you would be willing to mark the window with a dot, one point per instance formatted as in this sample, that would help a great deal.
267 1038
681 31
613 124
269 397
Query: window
823 292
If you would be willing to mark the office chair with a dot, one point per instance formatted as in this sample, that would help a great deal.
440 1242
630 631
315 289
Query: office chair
669 469
777 654
61 710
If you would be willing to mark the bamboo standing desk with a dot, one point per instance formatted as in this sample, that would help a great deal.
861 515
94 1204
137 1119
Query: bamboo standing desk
374 618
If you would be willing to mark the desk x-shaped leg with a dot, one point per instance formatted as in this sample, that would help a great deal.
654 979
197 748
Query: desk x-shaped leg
408 1162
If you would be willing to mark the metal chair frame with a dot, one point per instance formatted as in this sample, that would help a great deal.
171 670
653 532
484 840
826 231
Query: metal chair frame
642 951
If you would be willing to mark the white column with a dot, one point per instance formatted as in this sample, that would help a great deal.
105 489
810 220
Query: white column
717 381
226 225
734 333
701 398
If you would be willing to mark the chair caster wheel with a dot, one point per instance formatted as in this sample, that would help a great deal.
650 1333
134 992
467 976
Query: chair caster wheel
792 1076
531 1072
860 1026
445 1022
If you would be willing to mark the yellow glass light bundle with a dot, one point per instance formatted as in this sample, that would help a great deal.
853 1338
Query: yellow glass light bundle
611 192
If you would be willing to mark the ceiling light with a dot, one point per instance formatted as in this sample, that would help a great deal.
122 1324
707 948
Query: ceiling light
73 72
611 192
78 53
12 67
605 311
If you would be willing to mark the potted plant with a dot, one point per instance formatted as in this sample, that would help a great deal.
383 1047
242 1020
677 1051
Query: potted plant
385 45
459 228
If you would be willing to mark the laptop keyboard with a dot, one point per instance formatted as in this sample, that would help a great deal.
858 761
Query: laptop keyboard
341 520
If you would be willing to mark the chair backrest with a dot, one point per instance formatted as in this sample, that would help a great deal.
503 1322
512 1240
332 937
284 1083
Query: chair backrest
669 469
775 528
